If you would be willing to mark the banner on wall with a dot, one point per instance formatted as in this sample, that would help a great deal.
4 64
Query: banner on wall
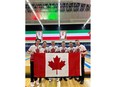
59 35
62 35
39 34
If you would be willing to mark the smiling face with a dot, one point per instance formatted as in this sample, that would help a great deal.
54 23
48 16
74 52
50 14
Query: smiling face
71 44
77 43
44 44
53 43
37 42
63 44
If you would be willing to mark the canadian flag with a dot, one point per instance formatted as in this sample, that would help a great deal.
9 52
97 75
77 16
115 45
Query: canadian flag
57 64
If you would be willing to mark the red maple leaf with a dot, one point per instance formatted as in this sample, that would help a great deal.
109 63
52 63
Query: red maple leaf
56 64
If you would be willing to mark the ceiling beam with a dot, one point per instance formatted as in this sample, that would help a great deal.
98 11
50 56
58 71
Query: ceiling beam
28 2
86 22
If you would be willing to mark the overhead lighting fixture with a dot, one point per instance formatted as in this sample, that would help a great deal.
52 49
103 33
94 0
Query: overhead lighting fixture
34 12
86 22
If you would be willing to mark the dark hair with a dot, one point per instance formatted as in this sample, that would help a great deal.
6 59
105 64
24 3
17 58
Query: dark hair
38 39
53 41
63 41
76 40
71 42
44 42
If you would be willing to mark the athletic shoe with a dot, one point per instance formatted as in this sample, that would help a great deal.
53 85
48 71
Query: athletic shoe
70 78
60 79
81 82
57 79
32 84
78 80
65 79
46 78
37 82
50 80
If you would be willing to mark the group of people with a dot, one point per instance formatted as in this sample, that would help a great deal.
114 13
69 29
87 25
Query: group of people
55 49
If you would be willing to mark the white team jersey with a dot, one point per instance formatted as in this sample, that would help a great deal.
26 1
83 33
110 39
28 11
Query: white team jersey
81 48
63 50
45 50
33 49
71 50
53 49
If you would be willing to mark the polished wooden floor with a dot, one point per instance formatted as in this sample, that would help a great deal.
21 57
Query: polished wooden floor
54 83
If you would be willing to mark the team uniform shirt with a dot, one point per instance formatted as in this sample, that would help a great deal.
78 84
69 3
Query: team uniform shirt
71 49
33 49
53 49
45 50
63 50
81 48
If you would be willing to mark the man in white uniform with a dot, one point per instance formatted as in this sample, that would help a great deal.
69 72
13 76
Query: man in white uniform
45 49
63 49
83 51
33 49
71 48
53 49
